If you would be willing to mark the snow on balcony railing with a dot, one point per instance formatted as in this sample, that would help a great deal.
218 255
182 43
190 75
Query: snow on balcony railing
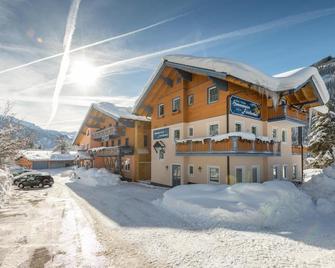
229 143
284 112
105 133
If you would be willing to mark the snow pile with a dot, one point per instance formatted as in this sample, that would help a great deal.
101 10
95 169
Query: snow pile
44 155
321 187
95 177
5 187
269 204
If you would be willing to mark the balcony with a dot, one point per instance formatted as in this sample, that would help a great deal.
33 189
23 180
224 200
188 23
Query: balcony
283 112
296 150
105 134
233 145
112 151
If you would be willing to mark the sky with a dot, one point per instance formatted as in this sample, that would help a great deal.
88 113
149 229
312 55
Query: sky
273 36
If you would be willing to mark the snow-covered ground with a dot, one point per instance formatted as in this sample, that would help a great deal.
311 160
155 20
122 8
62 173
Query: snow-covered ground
5 187
133 225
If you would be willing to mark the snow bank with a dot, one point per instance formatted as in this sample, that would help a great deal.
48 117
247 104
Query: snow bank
269 204
96 177
5 187
321 187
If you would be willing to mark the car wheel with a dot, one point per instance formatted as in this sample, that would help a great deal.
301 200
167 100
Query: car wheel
21 186
41 185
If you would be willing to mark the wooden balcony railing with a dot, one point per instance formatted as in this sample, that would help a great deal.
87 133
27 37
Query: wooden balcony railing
283 112
112 151
230 146
296 149
104 134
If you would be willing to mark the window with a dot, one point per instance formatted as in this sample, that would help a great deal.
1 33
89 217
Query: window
274 133
190 131
160 110
126 142
275 172
176 105
145 141
118 142
284 135
214 130
238 126
212 95
294 172
254 130
113 143
176 134
239 174
106 143
284 171
127 165
213 174
190 170
161 154
255 174
190 100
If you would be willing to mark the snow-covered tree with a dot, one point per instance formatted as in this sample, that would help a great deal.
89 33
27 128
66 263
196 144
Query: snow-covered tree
322 133
10 141
62 146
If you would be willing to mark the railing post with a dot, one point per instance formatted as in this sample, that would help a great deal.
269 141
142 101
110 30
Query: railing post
253 145
191 146
210 145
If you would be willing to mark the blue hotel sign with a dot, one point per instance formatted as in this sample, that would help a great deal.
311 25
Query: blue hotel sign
245 108
162 133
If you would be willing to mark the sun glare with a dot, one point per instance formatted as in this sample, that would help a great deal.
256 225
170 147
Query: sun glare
84 73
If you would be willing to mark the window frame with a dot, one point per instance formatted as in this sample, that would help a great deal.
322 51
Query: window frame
238 123
209 94
284 130
243 173
294 171
191 96
159 110
208 175
188 170
173 104
174 132
212 124
188 131
284 170
277 171
276 130
258 173
256 127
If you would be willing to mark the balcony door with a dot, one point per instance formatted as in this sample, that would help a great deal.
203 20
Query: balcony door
176 175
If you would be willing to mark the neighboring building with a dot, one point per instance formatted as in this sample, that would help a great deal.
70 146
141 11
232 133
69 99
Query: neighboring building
117 140
38 159
219 121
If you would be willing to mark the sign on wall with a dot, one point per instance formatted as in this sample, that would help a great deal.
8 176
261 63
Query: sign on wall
162 133
246 108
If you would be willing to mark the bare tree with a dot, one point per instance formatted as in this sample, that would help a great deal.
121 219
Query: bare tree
10 139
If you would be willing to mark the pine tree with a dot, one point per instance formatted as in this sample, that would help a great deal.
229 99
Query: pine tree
322 133
62 145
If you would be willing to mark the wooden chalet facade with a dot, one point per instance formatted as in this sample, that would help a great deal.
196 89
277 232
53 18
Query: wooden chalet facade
217 121
116 140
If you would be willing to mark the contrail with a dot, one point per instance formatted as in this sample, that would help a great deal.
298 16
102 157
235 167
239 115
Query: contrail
95 43
70 27
287 21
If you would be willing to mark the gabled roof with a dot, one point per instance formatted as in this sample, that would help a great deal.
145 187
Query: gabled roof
110 110
220 68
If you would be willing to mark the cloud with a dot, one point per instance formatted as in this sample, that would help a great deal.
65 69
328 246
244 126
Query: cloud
271 25
94 43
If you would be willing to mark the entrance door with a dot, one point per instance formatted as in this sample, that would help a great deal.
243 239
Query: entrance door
176 175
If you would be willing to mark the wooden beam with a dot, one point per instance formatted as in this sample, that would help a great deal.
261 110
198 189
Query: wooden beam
219 83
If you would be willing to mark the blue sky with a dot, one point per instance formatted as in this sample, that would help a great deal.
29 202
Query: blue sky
274 36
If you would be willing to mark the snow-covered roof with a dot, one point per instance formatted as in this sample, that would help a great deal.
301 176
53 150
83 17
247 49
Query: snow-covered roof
41 155
274 84
111 110
117 112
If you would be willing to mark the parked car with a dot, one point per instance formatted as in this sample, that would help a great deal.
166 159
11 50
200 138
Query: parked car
26 175
37 180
